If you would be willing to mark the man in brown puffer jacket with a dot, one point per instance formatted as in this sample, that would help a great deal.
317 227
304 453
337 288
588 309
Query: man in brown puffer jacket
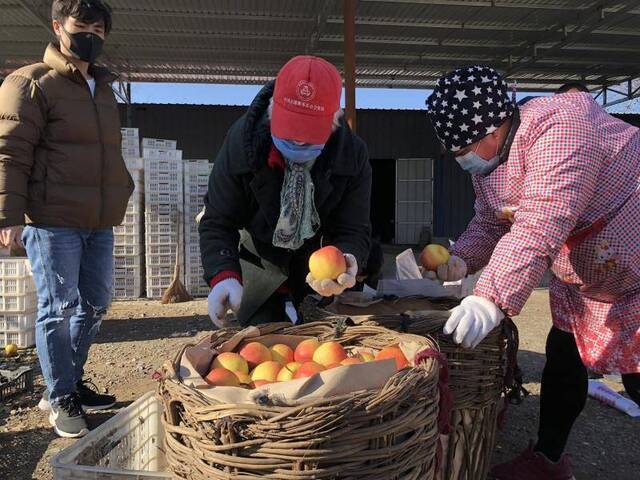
61 167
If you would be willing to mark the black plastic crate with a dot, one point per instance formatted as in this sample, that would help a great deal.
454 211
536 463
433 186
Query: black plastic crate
15 381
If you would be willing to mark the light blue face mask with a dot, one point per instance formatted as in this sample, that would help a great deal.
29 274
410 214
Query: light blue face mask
473 163
295 152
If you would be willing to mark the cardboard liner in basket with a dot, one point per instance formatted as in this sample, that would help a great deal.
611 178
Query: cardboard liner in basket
196 361
383 433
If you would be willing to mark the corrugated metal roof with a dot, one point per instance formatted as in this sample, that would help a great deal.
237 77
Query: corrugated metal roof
404 43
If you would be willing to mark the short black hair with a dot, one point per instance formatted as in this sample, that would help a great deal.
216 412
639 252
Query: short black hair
581 87
87 11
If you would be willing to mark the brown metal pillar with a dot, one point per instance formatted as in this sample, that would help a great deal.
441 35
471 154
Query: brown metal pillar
350 61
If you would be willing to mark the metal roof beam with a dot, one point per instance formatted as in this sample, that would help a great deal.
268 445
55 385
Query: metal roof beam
597 19
318 29
208 15
546 34
489 3
503 4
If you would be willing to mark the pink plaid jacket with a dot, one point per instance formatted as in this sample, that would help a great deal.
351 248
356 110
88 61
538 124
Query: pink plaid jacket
571 166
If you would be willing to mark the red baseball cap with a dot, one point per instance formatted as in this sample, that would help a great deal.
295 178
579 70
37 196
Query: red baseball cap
306 97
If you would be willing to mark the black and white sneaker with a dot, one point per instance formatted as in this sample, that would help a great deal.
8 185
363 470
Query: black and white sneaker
90 397
67 418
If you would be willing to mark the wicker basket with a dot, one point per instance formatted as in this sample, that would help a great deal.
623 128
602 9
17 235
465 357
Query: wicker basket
476 381
388 433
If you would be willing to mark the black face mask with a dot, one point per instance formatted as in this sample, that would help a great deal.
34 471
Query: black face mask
86 46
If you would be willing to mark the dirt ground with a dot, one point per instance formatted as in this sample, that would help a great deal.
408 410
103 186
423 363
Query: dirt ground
137 337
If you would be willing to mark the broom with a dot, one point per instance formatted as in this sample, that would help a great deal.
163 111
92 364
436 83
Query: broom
176 292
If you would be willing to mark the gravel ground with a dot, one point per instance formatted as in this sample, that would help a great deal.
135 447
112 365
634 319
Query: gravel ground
137 337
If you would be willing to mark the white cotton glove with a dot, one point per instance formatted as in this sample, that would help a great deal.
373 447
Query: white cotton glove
224 295
328 288
472 320
452 271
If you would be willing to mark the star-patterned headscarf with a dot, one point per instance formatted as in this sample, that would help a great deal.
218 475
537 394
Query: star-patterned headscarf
467 105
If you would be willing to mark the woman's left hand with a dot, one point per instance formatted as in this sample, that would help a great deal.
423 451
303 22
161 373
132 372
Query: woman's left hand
328 288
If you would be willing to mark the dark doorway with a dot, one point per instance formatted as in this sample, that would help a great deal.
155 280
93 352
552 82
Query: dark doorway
383 199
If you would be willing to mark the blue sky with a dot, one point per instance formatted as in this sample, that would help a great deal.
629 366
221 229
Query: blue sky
206 94
194 93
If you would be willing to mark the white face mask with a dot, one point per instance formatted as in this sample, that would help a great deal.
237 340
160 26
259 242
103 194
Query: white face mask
473 163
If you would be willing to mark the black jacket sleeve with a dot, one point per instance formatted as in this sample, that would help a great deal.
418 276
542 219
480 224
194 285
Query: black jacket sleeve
351 225
224 217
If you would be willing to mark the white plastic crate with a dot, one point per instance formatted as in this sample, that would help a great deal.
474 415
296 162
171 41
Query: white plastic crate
129 132
192 250
160 176
192 238
161 154
127 250
134 163
130 142
14 267
193 270
195 190
157 165
18 303
159 143
17 286
130 152
198 290
16 322
159 271
160 260
196 177
128 446
153 228
124 262
156 292
171 198
127 282
127 293
125 240
128 229
23 339
156 239
134 207
194 199
137 175
159 282
168 187
152 250
161 219
163 208
132 218
133 271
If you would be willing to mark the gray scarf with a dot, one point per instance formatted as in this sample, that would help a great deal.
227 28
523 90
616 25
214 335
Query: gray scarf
299 219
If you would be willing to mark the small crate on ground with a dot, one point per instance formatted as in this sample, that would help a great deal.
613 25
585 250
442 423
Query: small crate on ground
125 447
17 381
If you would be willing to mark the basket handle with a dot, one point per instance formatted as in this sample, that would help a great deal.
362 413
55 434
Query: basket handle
446 397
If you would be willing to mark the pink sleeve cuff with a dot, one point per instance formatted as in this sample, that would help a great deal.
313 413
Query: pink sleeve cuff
225 275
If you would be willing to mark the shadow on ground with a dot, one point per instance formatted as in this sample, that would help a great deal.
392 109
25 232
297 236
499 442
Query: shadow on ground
151 328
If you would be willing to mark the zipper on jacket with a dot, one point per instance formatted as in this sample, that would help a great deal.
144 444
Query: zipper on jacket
100 138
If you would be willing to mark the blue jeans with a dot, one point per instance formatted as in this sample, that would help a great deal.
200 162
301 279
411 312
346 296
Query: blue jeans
73 272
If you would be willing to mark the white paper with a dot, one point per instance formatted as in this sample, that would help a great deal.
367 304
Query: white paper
407 267
606 395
